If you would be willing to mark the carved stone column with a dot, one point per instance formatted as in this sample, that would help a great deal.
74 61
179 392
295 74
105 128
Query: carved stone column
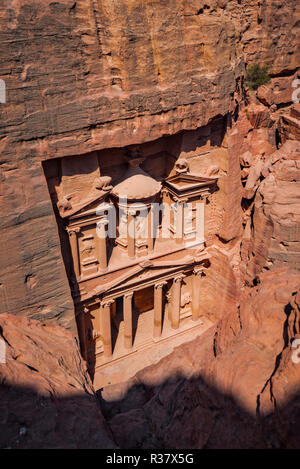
74 249
176 300
196 292
96 321
150 231
180 221
200 210
127 311
105 325
131 233
101 244
158 308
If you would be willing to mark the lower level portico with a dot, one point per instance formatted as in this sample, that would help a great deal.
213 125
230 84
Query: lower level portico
146 351
152 307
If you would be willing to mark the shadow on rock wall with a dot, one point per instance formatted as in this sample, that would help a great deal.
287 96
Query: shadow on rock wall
190 414
31 420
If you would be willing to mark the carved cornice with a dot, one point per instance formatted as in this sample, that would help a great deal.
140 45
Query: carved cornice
73 230
146 263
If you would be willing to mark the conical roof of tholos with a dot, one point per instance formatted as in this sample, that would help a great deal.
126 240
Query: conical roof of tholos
136 185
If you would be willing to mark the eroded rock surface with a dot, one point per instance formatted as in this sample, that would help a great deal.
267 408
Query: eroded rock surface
237 386
87 76
46 396
84 76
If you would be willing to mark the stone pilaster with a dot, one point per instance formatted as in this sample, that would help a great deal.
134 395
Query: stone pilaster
105 325
176 300
127 311
196 292
101 246
150 231
131 233
73 233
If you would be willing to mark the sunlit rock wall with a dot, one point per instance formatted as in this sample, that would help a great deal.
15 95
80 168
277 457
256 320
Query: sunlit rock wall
87 75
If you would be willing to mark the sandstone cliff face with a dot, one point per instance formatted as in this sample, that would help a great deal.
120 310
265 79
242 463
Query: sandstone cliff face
46 396
93 75
275 235
88 75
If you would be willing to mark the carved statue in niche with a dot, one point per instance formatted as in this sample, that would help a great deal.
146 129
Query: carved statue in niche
185 299
141 226
123 224
88 247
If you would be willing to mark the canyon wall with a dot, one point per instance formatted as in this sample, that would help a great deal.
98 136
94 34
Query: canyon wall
88 75
84 76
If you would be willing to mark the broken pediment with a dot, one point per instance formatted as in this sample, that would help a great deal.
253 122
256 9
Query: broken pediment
146 271
88 206
187 182
71 204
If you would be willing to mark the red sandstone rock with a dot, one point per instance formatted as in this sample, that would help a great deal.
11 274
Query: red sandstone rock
46 396
275 233
215 391
289 124
82 78
85 77
279 91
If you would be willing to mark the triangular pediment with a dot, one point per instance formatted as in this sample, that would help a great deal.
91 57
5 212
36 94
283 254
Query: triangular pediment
185 181
142 272
85 206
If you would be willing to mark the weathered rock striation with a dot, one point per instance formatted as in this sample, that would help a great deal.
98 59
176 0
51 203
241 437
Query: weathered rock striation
91 79
87 75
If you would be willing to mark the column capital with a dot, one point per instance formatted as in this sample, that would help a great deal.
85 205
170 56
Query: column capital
160 285
72 230
132 212
96 334
198 270
128 295
107 302
179 278
102 222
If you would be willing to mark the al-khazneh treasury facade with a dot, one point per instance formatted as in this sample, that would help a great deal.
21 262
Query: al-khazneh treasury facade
134 247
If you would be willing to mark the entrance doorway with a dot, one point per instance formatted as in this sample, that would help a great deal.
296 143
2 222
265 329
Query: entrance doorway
142 321
142 316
